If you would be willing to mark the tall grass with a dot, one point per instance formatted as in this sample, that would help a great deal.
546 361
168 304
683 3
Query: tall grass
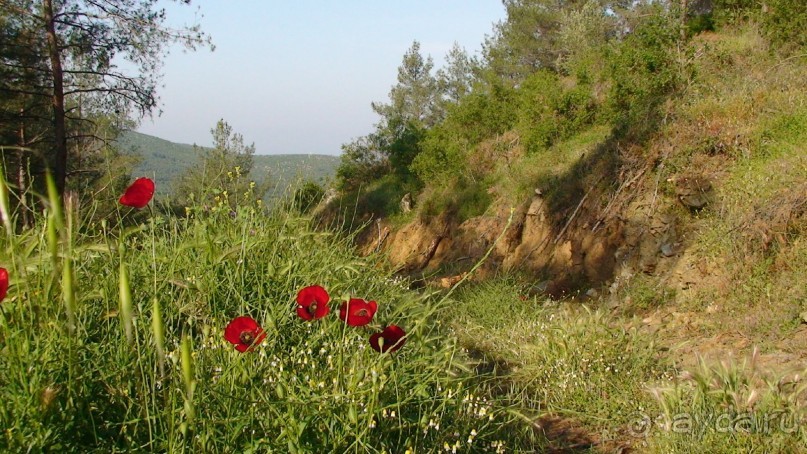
730 407
566 360
111 340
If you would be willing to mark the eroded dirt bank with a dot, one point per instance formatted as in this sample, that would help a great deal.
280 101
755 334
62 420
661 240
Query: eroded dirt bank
606 236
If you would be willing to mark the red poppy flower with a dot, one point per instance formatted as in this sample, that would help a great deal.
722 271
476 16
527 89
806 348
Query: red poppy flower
357 312
244 333
3 283
313 303
391 339
139 194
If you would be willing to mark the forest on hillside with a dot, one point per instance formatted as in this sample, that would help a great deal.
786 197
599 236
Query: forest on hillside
549 71
167 161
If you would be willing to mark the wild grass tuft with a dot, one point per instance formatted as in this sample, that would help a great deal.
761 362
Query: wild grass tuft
730 407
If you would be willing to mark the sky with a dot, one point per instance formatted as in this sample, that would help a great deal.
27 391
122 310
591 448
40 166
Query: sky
298 77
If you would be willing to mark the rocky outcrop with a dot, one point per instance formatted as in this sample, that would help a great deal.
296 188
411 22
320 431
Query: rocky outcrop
589 245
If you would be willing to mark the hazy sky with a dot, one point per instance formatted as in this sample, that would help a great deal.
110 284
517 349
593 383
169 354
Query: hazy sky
299 76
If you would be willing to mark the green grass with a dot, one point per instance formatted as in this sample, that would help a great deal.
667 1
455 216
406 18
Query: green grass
730 407
567 360
608 378
72 378
462 200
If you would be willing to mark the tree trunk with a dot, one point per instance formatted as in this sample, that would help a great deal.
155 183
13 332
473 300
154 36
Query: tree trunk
60 137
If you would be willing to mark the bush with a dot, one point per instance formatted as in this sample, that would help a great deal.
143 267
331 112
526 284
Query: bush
785 23
643 72
489 110
548 112
307 196
362 161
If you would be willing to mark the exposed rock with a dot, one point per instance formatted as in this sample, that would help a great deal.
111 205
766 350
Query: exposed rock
667 250
412 246
535 243
694 192
406 203
535 238
448 282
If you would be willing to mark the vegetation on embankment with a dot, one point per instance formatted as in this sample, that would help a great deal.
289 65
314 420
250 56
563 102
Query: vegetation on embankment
612 142
658 177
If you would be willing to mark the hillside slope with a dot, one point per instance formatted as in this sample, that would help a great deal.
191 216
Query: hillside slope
167 160
680 255
699 229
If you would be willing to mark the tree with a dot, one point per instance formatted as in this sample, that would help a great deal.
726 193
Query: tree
362 161
24 114
456 79
90 57
415 105
414 100
530 38
222 172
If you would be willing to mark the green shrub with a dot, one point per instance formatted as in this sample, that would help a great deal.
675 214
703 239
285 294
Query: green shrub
548 112
490 109
443 155
307 196
785 23
644 71
539 97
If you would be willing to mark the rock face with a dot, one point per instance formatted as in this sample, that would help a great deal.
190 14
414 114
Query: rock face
577 249
529 243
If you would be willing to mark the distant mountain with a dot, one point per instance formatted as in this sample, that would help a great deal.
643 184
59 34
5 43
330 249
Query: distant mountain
165 161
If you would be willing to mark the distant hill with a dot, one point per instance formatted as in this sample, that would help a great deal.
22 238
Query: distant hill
165 161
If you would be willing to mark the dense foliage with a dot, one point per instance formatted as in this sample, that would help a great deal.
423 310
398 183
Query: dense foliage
548 71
